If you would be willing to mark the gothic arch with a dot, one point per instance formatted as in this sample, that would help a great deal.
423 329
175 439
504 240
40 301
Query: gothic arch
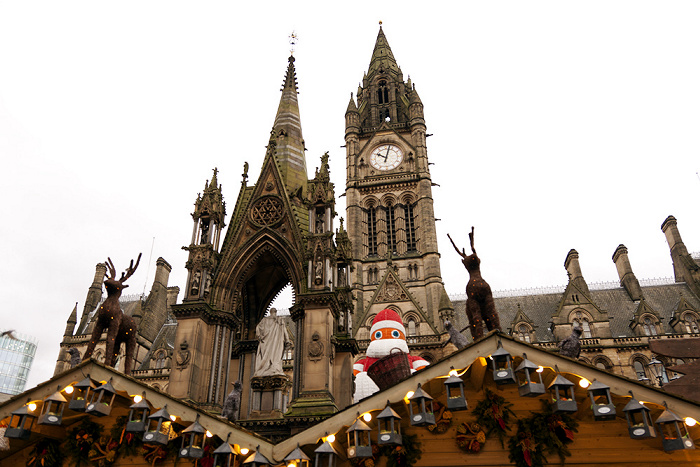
407 198
258 273
370 202
388 200
602 362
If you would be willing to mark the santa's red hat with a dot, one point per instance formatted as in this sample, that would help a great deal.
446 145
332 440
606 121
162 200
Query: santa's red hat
387 319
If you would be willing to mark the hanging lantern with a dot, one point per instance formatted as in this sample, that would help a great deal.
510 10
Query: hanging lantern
297 458
225 455
18 428
102 399
601 401
454 388
326 455
389 426
420 408
527 386
81 394
562 391
502 366
638 420
674 433
159 427
359 441
256 459
138 416
52 411
193 438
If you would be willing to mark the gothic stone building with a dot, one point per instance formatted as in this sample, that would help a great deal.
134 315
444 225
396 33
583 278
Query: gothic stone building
284 230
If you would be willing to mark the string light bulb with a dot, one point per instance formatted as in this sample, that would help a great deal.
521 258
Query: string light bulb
690 421
584 383
540 369
245 451
31 406
367 417
68 390
137 398
173 417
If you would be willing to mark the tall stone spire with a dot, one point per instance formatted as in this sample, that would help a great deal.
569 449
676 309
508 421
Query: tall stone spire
382 57
290 148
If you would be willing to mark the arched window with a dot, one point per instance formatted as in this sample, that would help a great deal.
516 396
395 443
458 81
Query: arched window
582 321
649 326
602 363
383 93
372 231
640 369
410 228
411 327
159 360
523 333
691 323
391 229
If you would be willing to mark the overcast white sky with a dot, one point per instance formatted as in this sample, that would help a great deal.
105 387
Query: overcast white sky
556 125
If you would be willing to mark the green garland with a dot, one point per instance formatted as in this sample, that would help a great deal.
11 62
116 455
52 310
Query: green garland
46 453
494 415
542 433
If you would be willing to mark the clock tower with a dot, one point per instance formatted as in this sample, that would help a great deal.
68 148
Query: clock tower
391 222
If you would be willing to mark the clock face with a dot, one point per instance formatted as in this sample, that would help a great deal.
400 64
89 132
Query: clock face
386 157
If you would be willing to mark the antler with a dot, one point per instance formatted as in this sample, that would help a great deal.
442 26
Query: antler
112 272
130 270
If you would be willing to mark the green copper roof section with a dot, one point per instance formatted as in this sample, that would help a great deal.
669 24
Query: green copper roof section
382 57
289 153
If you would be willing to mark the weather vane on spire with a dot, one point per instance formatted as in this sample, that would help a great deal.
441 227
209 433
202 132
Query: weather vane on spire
293 41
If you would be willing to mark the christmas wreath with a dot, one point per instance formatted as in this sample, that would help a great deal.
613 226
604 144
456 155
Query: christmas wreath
405 455
81 439
443 419
46 453
542 433
493 414
470 437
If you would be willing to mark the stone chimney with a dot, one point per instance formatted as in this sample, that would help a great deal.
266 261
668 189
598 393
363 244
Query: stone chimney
173 292
574 270
94 295
163 269
627 278
685 269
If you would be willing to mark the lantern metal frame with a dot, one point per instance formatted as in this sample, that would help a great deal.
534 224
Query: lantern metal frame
601 411
562 392
359 440
326 455
673 437
52 411
97 406
163 426
81 394
193 441
226 453
391 422
426 415
297 456
638 420
18 429
526 386
139 409
455 401
502 366
256 459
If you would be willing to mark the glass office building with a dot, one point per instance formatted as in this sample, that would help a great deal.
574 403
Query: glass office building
16 357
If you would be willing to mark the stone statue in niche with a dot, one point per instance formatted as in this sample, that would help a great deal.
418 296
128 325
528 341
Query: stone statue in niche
273 338
319 222
480 306
120 328
318 268
207 284
205 232
196 280
183 356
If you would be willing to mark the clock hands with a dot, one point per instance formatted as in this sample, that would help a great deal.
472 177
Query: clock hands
386 156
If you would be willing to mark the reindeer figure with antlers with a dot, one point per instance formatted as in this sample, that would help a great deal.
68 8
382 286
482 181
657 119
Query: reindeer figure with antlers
120 327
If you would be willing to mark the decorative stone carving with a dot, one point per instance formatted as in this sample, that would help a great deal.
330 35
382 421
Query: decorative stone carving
315 347
267 210
182 359
392 291
273 338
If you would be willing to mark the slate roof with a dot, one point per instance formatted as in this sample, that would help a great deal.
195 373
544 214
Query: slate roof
539 308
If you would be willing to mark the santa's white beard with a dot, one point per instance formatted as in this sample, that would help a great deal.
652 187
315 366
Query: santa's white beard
382 347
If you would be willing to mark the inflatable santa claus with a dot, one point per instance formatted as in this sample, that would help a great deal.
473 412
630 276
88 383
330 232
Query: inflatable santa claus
387 333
